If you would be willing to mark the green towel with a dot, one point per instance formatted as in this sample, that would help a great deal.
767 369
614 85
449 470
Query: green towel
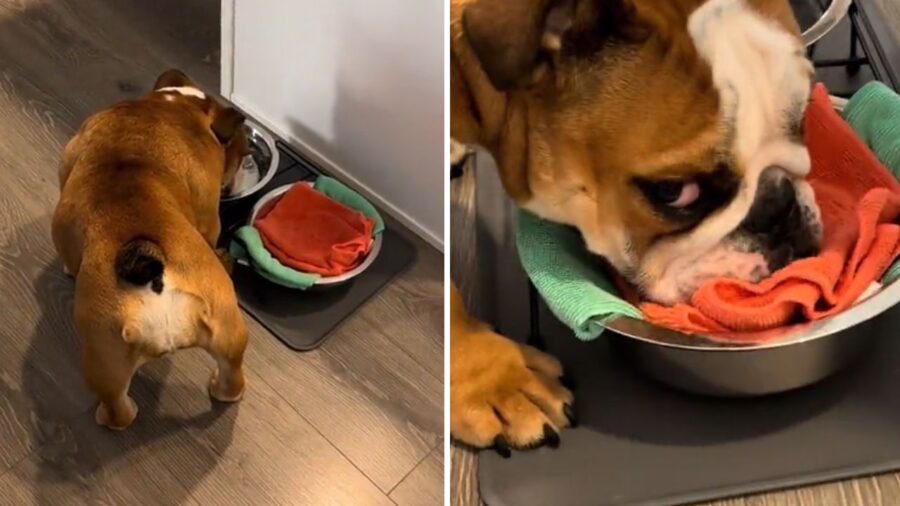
580 295
874 114
247 245
335 190
893 274
568 277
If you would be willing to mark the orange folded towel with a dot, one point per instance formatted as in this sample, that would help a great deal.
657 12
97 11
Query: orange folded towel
860 204
310 232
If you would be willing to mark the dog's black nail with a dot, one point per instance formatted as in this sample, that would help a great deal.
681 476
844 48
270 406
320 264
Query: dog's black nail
551 438
567 381
569 411
502 447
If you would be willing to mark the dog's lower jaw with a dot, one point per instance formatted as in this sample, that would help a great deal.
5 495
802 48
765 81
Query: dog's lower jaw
683 278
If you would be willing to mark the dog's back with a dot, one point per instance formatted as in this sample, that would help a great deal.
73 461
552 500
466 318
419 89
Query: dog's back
136 224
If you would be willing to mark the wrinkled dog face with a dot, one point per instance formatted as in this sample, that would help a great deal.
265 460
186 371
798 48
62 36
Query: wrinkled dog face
669 135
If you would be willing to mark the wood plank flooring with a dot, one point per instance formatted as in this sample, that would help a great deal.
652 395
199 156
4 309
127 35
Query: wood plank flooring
358 421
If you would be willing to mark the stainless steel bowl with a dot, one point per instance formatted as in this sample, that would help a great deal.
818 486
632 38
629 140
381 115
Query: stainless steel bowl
268 200
836 11
265 154
790 358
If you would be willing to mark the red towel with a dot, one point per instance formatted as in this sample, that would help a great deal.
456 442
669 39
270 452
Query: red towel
860 204
310 232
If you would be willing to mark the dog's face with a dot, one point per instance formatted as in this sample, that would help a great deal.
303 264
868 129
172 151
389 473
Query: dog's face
225 123
668 133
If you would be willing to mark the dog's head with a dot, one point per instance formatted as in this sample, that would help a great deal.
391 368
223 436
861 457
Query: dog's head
225 123
668 133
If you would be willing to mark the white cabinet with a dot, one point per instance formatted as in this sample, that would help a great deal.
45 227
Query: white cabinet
359 84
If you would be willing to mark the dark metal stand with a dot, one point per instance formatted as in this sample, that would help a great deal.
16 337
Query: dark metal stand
534 318
869 33
853 63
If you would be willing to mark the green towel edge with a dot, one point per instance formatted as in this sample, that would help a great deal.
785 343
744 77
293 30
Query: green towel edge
597 300
893 274
265 264
872 112
338 191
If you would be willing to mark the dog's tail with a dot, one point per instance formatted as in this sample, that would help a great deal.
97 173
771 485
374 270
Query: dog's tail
141 261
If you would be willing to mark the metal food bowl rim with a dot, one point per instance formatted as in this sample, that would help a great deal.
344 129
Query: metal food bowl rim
870 308
323 280
255 130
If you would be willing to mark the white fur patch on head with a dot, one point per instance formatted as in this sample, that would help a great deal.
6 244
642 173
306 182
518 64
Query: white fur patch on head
763 80
759 69
188 91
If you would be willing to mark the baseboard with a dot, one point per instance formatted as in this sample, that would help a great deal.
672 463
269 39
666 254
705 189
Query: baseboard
226 59
345 176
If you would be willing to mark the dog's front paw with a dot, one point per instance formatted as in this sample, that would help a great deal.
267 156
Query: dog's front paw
504 394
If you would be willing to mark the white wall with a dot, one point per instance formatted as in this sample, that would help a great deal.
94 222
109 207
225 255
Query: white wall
359 82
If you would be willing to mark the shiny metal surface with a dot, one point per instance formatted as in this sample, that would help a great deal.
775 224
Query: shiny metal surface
269 199
833 15
799 356
266 155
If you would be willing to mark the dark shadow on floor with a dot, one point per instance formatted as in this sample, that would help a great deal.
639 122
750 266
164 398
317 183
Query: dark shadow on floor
73 454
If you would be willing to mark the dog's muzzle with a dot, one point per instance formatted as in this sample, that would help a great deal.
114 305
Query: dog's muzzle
783 223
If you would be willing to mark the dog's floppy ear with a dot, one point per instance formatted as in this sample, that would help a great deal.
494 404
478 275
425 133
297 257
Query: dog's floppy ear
172 78
508 36
226 122
516 41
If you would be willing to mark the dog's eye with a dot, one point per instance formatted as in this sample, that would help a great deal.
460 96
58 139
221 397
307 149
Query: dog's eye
671 193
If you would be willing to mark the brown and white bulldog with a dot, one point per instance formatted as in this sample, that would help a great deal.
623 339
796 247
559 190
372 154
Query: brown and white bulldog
667 132
136 225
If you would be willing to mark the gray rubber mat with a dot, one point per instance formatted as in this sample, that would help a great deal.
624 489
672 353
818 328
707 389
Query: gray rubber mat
303 320
640 442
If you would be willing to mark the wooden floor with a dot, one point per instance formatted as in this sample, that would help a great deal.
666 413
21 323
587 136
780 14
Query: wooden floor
356 422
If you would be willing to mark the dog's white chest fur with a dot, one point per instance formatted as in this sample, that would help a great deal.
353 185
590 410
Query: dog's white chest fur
161 322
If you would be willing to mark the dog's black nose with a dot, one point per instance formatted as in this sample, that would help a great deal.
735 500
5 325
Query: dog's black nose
779 222
775 196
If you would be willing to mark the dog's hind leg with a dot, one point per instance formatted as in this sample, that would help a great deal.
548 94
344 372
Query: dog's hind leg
227 345
109 377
